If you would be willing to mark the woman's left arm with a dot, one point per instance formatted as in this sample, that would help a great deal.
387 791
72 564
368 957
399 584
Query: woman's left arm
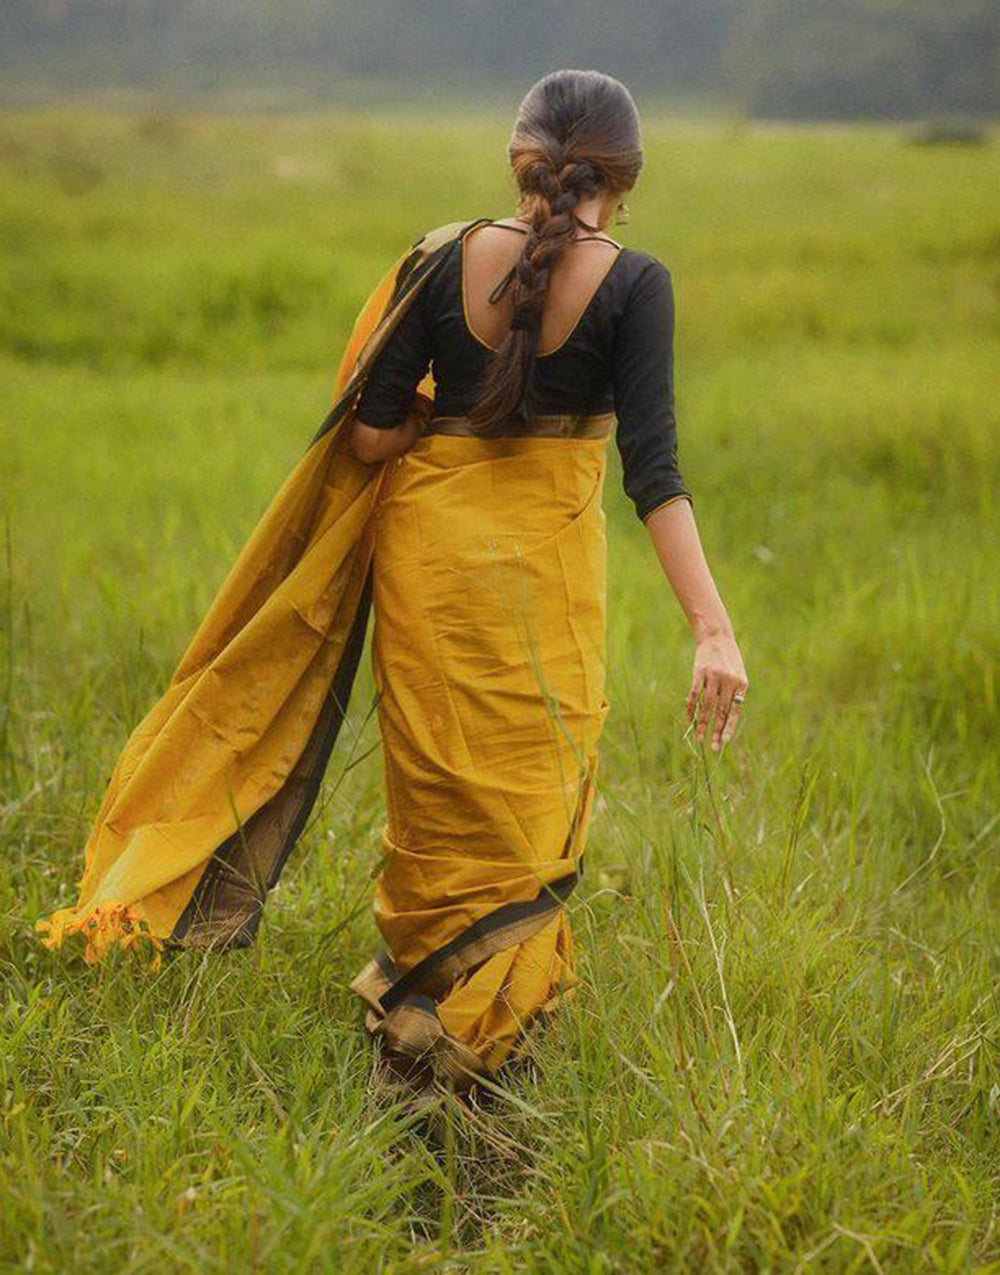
718 674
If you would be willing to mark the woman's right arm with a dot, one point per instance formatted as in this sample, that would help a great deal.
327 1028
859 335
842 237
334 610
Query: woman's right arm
384 424
372 445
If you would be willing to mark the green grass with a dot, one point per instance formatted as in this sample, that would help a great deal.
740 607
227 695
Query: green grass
784 1053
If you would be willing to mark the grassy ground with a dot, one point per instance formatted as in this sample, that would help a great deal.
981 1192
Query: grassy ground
784 1054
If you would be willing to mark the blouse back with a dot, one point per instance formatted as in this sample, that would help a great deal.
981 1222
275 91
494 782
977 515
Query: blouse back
617 356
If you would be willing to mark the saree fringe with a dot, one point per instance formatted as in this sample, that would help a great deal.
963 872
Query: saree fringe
102 928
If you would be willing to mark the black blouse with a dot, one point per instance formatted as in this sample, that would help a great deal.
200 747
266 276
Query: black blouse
618 357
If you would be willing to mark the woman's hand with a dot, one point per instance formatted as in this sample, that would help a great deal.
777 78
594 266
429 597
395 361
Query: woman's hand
719 677
718 685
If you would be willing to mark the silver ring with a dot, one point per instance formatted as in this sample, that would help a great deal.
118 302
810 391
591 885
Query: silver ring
739 697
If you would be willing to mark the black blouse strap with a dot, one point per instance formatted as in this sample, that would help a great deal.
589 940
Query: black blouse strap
505 282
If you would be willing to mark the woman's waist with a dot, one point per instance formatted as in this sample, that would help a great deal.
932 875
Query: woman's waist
529 487
558 425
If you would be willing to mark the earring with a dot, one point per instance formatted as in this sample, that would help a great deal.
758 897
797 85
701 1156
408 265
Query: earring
623 214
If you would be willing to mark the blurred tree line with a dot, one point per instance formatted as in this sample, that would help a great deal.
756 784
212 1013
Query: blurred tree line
793 58
866 57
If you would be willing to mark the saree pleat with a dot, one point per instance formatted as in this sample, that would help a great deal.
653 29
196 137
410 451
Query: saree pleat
489 600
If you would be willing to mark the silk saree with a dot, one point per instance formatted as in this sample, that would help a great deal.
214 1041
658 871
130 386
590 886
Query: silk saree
482 563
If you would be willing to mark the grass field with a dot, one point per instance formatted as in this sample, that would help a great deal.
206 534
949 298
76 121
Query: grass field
785 1053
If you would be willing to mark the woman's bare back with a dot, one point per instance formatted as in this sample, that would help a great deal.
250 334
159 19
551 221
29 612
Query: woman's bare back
488 253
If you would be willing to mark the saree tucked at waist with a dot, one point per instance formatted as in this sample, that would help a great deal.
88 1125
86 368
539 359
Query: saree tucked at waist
484 563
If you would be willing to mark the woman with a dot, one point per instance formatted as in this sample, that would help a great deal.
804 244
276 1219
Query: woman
455 487
541 329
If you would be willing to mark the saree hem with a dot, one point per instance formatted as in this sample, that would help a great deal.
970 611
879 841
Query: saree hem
417 1046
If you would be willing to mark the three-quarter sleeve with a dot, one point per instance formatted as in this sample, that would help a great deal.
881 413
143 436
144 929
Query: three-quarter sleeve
643 379
398 368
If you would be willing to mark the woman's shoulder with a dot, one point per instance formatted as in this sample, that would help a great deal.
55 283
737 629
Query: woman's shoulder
444 235
642 262
645 280
435 246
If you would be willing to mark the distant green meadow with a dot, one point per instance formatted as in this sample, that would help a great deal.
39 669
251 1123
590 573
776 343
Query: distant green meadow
784 1054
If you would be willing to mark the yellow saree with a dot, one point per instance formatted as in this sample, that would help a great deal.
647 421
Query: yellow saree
484 564
489 574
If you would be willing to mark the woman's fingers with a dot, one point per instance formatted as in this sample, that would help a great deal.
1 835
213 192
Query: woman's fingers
718 711
696 684
715 700
732 719
709 700
722 711
733 715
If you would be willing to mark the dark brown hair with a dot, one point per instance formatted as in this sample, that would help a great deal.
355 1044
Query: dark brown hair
576 134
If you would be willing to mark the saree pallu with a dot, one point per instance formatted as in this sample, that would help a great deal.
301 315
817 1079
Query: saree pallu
216 782
488 647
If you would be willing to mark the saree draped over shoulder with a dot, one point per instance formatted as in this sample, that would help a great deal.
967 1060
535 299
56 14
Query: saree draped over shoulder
484 564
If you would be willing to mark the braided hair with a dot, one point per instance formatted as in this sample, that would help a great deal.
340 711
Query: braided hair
576 134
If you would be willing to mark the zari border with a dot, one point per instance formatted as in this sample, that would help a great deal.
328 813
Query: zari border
504 927
196 926
413 1038
544 425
